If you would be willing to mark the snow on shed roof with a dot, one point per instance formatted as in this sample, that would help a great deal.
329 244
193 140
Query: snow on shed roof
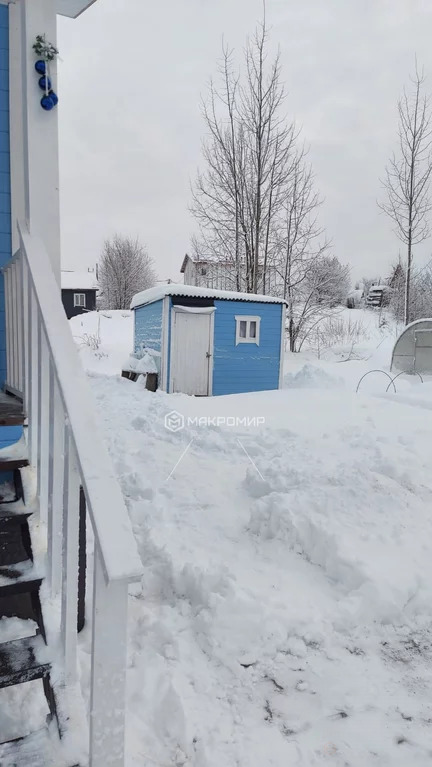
160 291
78 280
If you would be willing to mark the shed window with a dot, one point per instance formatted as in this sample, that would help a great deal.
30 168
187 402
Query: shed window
79 299
247 330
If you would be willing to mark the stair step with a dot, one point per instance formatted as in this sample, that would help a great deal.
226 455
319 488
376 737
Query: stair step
39 749
15 511
18 579
20 661
15 544
12 463
11 410
23 752
14 457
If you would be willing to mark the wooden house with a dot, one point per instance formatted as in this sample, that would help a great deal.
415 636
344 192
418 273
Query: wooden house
78 291
52 457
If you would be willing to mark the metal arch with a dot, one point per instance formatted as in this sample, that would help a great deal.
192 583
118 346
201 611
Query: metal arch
377 371
407 372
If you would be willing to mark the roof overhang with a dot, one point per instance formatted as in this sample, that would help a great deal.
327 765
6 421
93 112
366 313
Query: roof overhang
73 8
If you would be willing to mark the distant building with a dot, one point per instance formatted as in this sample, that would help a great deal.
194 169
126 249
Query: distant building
79 291
221 275
378 295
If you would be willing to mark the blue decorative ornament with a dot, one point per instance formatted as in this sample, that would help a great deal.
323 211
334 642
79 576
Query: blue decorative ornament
47 103
45 53
41 67
45 83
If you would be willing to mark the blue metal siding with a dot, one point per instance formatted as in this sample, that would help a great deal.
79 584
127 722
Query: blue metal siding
5 193
246 367
148 326
148 329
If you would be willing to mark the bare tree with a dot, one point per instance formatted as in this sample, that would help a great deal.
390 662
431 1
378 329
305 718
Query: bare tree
249 153
324 285
125 268
420 293
408 175
301 245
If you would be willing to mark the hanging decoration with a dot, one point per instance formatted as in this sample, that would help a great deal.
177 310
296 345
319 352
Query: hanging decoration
46 53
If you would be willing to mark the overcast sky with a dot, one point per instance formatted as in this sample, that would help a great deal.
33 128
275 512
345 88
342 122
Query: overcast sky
131 76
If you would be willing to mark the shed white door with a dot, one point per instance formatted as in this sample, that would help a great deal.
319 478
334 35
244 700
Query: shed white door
190 352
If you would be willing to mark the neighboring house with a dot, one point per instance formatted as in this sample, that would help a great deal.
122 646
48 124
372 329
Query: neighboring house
54 462
78 290
203 273
378 295
221 275
207 342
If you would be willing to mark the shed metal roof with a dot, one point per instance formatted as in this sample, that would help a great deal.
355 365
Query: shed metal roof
73 8
160 291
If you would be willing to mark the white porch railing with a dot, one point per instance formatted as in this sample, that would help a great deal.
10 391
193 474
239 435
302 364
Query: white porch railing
65 447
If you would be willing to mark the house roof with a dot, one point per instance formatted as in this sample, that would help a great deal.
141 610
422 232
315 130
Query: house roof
213 262
73 8
78 280
184 262
160 291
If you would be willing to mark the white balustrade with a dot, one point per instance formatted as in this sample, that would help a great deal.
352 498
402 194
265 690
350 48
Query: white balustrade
65 447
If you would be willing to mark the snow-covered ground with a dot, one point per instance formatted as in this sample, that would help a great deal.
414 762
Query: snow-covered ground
104 340
285 614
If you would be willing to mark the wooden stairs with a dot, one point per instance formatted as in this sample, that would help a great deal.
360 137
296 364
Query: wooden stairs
23 659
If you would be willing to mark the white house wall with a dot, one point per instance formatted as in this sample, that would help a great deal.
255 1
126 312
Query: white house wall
34 132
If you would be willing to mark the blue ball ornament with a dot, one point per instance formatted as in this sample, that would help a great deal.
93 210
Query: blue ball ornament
40 67
47 103
54 97
45 83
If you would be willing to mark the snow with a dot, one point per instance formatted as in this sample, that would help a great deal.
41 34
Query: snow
78 280
144 364
285 612
171 289
104 340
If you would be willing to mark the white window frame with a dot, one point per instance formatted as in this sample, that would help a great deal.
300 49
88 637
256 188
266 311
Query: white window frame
248 318
78 302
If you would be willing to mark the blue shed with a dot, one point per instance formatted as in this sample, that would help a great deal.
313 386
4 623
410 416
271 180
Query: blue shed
206 342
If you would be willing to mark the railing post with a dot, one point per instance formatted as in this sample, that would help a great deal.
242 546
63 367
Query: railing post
71 490
14 313
44 424
34 373
22 321
19 310
7 289
55 485
108 671
27 337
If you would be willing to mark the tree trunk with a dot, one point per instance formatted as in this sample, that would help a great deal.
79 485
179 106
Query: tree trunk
407 315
